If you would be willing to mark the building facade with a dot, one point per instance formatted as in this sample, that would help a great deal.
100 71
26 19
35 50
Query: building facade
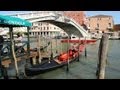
46 29
116 27
78 16
100 23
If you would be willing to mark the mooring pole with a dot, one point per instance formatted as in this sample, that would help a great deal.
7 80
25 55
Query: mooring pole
1 62
46 44
13 51
51 55
28 47
79 50
85 48
103 51
68 53
61 48
4 72
56 44
39 49
51 50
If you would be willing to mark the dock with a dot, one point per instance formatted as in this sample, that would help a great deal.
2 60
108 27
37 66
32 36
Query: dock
7 60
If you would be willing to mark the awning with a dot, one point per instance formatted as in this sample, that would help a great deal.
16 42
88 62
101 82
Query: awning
6 21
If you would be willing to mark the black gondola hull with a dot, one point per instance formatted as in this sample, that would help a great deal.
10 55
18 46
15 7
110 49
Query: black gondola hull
39 69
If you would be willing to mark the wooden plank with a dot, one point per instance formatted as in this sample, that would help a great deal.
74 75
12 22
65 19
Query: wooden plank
6 62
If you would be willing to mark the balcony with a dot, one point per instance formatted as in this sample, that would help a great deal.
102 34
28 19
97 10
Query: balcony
109 27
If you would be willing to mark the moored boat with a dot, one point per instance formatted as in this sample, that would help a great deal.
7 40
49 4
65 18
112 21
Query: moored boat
75 39
57 62
79 41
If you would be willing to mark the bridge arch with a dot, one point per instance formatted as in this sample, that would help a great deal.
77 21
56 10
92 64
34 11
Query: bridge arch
67 24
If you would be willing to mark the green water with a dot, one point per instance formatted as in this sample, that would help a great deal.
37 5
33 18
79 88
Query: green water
86 67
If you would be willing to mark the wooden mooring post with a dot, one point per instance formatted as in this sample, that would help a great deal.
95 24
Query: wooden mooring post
103 50
85 42
68 53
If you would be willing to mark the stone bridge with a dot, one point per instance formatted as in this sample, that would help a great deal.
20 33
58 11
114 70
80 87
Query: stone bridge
65 23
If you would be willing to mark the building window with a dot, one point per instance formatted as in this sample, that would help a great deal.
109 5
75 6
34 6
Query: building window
47 28
47 23
97 28
54 27
98 18
41 28
98 25
33 28
40 24
109 24
44 28
89 25
38 33
47 33
89 19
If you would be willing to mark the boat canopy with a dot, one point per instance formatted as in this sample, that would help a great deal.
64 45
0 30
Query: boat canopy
6 21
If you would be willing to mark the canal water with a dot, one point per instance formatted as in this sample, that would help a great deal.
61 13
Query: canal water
86 67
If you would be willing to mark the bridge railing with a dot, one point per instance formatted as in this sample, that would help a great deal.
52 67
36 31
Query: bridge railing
33 15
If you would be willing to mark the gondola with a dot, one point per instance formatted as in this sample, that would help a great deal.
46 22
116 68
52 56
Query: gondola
57 62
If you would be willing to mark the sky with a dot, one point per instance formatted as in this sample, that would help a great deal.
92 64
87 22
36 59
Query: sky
115 14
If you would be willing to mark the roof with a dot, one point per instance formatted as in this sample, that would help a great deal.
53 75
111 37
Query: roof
13 21
100 16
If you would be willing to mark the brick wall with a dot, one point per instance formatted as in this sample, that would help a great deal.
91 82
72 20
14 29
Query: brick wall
78 16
